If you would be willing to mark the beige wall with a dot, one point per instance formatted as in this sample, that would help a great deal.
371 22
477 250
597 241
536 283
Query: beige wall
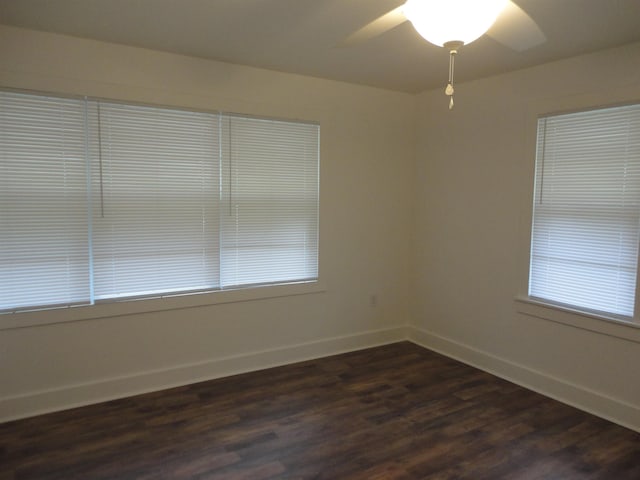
366 167
473 197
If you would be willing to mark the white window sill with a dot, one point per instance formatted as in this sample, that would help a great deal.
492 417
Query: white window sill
611 326
131 307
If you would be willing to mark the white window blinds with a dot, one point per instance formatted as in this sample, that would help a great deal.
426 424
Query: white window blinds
102 200
584 249
269 201
155 200
44 245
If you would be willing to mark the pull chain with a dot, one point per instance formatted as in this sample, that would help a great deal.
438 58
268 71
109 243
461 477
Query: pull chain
450 90
453 47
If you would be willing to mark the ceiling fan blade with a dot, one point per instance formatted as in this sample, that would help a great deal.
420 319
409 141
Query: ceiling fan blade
379 26
515 29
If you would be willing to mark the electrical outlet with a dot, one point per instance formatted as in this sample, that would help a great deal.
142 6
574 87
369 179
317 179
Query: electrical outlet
373 300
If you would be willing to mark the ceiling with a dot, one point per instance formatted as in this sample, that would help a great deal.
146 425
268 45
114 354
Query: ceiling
302 36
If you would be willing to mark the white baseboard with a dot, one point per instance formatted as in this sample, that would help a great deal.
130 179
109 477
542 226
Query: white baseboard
596 403
70 396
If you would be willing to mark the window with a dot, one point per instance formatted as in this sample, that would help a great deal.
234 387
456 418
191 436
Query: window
102 200
44 243
154 200
269 201
586 213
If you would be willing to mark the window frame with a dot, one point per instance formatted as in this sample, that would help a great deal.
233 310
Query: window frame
532 307
129 305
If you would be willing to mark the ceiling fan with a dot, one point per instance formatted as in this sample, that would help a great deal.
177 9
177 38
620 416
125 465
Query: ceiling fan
452 24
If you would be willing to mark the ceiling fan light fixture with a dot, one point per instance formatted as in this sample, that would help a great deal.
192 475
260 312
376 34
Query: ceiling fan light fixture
443 21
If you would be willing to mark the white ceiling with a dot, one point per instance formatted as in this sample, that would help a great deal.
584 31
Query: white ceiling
301 36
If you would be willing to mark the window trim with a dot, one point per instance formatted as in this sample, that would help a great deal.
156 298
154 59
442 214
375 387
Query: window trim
591 321
626 328
129 306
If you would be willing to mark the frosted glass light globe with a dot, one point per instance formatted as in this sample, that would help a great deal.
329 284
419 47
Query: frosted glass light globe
442 21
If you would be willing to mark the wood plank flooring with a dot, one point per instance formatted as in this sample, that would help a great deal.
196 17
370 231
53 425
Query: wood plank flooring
392 412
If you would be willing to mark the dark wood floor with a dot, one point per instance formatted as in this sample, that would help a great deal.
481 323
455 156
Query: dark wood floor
393 412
